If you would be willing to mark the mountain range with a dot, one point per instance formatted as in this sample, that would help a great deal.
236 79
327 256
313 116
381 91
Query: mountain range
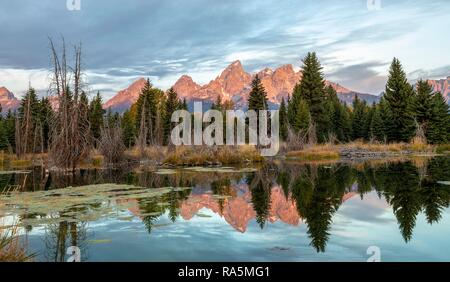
234 83
7 100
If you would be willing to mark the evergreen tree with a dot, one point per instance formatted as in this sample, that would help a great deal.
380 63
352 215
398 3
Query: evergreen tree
148 104
376 125
312 90
386 117
303 118
218 104
338 116
45 118
283 120
172 104
3 137
129 129
358 118
258 97
29 105
399 98
292 105
439 126
9 128
27 130
96 114
423 103
370 111
184 106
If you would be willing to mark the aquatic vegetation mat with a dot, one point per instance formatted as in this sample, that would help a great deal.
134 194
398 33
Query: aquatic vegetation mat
75 204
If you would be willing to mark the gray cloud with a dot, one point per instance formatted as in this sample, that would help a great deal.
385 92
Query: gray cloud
361 77
164 39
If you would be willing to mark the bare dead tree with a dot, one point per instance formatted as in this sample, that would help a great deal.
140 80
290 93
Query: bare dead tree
111 142
69 136
295 140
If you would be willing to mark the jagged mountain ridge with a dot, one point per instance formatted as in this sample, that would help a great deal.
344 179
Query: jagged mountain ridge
234 83
7 100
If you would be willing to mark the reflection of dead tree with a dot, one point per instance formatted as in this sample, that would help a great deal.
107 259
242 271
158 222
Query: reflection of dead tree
111 143
69 138
60 236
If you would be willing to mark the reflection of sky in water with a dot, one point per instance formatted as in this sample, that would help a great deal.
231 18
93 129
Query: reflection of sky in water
357 225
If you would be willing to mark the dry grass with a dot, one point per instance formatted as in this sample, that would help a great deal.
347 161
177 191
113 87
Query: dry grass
330 151
202 155
12 248
11 160
414 146
317 152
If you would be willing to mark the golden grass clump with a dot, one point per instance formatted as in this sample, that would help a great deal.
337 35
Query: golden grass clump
317 152
202 155
12 248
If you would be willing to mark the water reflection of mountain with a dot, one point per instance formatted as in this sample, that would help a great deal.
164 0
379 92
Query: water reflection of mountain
238 211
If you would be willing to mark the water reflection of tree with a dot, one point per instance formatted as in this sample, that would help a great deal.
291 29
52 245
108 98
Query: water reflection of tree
59 236
409 192
153 208
260 185
409 187
318 192
222 188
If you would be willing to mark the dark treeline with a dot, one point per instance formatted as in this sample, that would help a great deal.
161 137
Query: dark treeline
312 113
403 112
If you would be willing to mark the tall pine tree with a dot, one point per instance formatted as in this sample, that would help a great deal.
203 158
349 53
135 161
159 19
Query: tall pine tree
257 99
312 90
303 118
439 127
96 115
423 103
172 104
283 120
399 98
358 119
129 129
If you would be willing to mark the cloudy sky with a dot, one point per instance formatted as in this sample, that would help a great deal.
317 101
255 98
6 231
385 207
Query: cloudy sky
123 40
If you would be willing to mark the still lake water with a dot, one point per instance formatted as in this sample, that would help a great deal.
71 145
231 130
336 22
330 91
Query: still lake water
282 211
